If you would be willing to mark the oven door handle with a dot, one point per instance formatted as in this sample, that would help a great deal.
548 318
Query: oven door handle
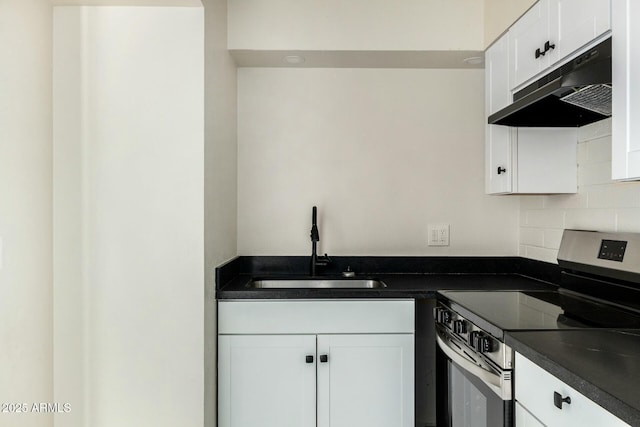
496 383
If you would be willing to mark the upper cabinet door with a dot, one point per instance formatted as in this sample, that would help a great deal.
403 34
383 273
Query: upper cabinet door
498 138
574 23
498 93
551 31
526 44
626 91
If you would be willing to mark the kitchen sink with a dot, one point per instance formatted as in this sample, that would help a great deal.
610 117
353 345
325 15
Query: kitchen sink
309 283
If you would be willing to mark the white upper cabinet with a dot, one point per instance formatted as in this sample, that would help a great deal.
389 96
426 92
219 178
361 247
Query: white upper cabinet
626 90
523 160
552 30
526 43
498 138
574 23
497 75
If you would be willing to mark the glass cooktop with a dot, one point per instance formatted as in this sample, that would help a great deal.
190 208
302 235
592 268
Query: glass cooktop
532 310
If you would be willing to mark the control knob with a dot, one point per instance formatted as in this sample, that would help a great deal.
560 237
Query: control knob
460 327
483 344
442 315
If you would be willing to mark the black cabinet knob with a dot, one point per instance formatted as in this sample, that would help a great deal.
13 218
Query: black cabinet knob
548 46
558 400
309 359
324 358
539 53
501 170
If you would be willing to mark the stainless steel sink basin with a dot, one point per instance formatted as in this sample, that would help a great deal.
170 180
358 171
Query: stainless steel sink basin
316 283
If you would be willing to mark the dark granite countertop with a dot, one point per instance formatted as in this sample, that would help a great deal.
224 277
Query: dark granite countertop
405 277
604 365
397 286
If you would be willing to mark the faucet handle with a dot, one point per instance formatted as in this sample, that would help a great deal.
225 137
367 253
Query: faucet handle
323 260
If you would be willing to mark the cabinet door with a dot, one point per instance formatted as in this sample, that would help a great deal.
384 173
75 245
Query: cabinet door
266 380
498 170
367 380
497 138
626 90
535 388
498 92
525 36
525 419
546 160
575 23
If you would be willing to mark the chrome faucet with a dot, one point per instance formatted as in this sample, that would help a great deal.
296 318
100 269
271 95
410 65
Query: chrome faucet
316 261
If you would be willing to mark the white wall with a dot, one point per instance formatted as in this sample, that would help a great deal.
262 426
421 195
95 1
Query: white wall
25 209
128 212
600 204
220 185
382 153
356 25
500 14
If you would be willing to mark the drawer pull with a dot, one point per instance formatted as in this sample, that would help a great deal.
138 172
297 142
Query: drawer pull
309 359
558 400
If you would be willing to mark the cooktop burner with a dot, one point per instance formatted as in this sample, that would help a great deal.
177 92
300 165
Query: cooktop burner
537 310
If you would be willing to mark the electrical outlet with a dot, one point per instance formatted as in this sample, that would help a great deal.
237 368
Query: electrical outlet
438 234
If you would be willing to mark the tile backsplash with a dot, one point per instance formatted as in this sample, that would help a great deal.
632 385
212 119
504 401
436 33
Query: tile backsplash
600 204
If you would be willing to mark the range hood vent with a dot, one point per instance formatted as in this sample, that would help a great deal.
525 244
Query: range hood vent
576 94
596 98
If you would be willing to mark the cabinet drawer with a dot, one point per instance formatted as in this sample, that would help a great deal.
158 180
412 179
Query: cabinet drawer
316 317
534 390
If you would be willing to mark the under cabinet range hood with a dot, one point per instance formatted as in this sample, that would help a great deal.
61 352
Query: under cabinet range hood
573 95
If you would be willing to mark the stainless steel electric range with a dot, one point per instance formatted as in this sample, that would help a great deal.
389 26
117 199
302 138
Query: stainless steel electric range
600 288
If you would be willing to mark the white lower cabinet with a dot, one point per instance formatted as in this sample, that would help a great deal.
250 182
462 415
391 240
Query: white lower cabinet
266 378
525 419
366 381
537 392
358 376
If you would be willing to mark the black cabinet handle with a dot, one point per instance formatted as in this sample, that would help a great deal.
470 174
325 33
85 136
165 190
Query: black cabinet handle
558 400
548 46
501 170
309 359
324 358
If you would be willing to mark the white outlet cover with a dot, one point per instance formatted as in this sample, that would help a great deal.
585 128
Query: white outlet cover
438 234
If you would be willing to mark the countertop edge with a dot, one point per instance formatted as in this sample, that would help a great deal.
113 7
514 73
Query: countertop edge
596 393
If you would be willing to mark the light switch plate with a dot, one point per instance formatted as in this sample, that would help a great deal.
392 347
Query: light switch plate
438 234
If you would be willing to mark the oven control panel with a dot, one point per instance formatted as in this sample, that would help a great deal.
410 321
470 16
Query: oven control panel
476 339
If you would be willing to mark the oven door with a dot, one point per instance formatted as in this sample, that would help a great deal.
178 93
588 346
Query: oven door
470 392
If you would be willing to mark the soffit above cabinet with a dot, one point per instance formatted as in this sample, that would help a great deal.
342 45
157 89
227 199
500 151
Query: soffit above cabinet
463 59
355 25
